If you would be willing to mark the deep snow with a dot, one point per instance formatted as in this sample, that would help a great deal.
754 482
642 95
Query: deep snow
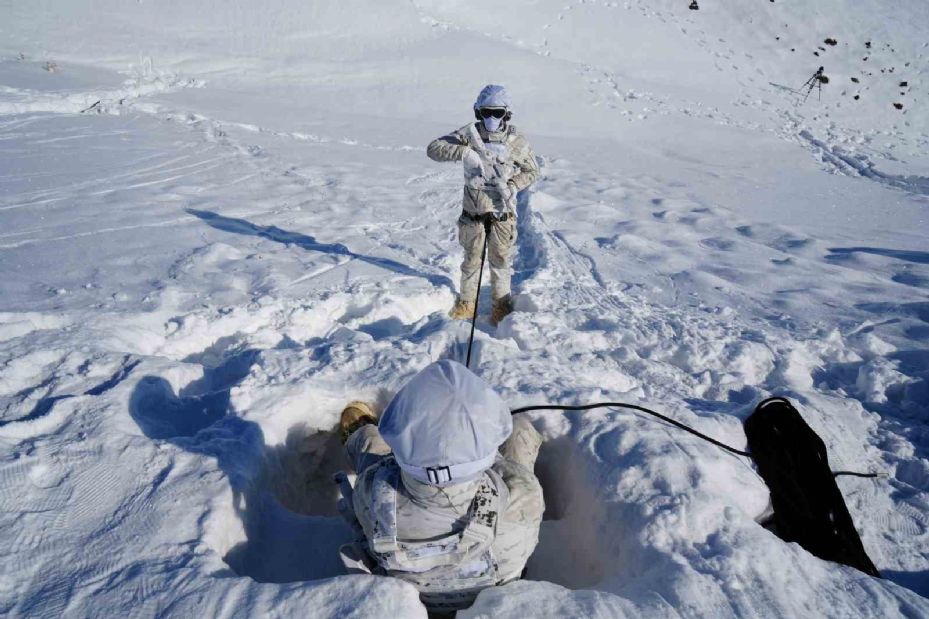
218 224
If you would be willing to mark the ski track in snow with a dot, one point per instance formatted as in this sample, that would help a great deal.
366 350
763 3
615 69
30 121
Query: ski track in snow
215 370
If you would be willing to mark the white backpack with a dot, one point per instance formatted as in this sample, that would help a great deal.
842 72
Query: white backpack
449 571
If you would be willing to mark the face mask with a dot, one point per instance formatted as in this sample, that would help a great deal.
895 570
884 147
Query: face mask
493 124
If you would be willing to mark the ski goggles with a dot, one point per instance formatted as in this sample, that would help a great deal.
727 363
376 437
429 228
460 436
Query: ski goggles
496 112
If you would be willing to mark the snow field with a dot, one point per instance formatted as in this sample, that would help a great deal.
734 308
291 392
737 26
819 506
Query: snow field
244 234
183 360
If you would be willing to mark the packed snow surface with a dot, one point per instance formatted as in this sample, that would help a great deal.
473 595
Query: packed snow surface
218 225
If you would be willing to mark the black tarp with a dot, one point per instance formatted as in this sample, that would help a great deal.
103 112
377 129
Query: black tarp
808 505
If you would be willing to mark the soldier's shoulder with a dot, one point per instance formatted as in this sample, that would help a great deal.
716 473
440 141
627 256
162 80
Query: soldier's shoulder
365 479
514 474
517 138
366 476
465 130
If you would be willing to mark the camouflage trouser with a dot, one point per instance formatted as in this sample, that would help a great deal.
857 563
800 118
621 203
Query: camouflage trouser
499 253
366 447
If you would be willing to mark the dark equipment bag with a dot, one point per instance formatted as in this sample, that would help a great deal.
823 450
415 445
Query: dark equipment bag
808 506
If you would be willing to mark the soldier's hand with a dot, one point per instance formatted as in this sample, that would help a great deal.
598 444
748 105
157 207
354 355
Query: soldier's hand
503 189
471 158
491 187
478 183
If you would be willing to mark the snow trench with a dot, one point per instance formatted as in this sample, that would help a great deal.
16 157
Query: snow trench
281 523
283 497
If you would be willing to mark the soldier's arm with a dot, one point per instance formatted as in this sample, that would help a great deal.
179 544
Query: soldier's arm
518 525
451 147
528 168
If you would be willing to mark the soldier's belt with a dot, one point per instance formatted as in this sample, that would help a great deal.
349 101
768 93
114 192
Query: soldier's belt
492 216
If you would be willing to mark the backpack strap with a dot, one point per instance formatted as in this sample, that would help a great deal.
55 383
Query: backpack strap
488 503
384 506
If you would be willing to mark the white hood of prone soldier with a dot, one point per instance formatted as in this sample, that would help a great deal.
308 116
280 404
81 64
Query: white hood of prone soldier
445 425
445 428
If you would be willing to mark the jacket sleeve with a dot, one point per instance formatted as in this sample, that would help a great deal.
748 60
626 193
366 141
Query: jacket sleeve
528 168
451 147
518 526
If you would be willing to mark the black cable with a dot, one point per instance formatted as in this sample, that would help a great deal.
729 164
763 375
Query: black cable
642 409
854 474
477 296
673 422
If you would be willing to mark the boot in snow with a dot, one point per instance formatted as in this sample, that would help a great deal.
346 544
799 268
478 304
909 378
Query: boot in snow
355 415
462 310
502 308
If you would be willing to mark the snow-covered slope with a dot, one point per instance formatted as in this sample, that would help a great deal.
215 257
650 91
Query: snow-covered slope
218 224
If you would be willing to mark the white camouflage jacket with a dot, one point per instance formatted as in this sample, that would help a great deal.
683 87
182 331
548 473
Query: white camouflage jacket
518 163
425 512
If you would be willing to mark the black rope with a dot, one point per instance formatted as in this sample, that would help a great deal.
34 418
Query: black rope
678 424
487 223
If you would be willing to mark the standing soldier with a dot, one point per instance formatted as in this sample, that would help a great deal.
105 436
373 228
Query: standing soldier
498 163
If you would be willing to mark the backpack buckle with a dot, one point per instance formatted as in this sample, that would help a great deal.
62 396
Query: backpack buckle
439 474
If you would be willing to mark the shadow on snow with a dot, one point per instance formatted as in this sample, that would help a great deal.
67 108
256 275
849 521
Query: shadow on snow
307 242
282 494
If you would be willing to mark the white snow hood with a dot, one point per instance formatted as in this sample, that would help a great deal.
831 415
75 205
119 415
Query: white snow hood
445 425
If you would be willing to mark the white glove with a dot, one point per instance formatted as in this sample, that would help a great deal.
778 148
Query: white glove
478 183
472 162
501 188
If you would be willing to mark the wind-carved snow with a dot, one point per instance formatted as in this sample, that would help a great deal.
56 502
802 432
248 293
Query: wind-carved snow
203 268
69 98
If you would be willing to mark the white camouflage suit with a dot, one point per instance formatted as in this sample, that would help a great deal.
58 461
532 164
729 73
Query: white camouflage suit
521 170
426 511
